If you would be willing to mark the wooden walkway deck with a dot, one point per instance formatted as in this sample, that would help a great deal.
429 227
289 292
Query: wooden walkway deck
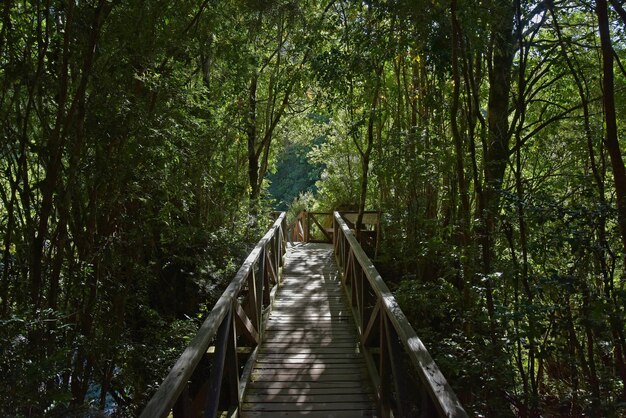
309 362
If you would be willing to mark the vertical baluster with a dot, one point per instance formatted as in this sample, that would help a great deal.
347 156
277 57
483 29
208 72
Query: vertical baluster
182 408
217 369
427 408
253 300
362 284
231 363
265 279
384 392
401 379
307 237
276 254
258 283
283 239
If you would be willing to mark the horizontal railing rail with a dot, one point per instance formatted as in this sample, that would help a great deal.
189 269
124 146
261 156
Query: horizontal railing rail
408 382
318 227
207 378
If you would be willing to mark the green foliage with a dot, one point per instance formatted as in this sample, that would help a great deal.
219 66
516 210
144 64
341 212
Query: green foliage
133 196
130 133
294 176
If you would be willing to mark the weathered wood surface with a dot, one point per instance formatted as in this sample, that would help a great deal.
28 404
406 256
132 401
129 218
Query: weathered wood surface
309 363
387 337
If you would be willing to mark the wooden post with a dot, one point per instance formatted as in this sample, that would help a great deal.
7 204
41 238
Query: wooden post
401 379
253 300
182 408
258 283
231 363
384 391
217 369
263 282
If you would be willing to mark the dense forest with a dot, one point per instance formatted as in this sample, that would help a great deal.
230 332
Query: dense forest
144 145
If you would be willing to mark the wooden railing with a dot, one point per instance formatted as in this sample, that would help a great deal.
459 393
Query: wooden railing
311 227
318 227
296 230
207 378
408 382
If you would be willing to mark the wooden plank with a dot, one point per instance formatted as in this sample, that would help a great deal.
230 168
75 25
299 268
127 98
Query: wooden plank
322 327
313 406
294 314
298 312
302 305
340 323
309 414
312 293
314 338
356 390
334 294
307 350
338 367
339 320
310 358
305 385
315 369
304 377
304 302
314 346
300 399
297 293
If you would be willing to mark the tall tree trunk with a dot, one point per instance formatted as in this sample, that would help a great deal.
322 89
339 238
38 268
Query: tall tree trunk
610 118
496 158
496 153
365 153
465 214
617 164
253 159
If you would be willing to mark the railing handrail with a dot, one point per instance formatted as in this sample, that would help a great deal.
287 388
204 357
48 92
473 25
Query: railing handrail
433 381
175 382
302 227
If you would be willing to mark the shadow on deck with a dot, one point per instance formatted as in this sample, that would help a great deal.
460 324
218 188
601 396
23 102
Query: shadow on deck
309 363
313 331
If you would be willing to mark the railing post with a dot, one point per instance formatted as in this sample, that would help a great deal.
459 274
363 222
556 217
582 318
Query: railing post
401 380
217 369
283 240
263 282
253 300
384 392
182 408
232 365
258 283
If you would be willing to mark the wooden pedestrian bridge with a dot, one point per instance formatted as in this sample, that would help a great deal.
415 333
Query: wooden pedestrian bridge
306 329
